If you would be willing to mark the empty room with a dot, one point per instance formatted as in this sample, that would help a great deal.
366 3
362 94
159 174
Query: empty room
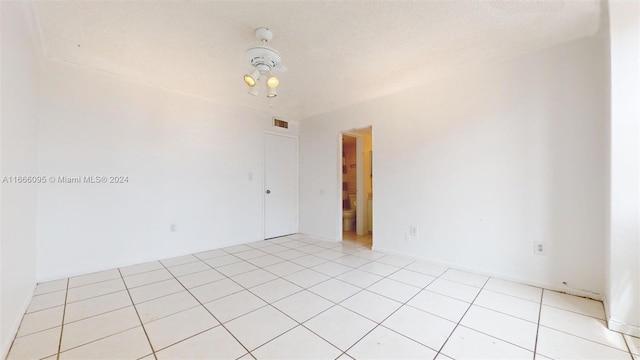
320 179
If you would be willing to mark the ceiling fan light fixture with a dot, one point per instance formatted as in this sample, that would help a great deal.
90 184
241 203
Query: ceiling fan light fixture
253 91
271 92
272 81
252 78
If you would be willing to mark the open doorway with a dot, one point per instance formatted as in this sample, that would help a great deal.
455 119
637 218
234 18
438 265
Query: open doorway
357 187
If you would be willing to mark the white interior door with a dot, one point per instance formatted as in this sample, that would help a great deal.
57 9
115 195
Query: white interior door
281 186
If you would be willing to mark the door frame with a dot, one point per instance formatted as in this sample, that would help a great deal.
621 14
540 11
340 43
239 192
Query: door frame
264 178
360 198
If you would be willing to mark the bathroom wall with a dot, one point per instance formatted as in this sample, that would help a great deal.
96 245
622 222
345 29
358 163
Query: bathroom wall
349 149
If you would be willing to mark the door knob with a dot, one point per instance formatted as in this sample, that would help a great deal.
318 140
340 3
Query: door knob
268 191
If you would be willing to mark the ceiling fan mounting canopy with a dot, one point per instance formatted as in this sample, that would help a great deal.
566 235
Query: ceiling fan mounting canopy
262 57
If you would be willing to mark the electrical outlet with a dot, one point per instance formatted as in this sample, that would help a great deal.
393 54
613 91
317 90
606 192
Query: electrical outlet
413 230
538 248
172 228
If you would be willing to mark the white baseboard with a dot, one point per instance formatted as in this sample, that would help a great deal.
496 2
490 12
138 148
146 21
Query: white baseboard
8 340
619 326
546 286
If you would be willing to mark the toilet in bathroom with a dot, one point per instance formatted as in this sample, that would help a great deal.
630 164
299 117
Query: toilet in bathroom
349 216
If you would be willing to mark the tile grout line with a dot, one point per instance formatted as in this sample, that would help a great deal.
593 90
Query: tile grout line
462 317
628 347
64 310
209 311
535 346
269 303
378 324
138 315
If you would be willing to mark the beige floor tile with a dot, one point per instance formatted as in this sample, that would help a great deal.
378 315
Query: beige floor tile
383 343
275 290
97 327
505 327
303 305
339 326
334 290
454 289
264 261
464 277
46 301
332 269
215 290
298 343
359 278
190 268
440 305
514 306
428 268
260 326
558 345
234 305
129 344
253 278
51 286
210 254
284 268
522 291
379 268
94 278
574 303
394 290
580 325
36 346
177 327
147 278
370 305
200 278
250 254
216 343
237 249
396 260
41 320
352 261
236 268
155 290
96 289
165 306
420 326
95 306
179 260
224 260
412 278
141 268
634 344
465 343
306 278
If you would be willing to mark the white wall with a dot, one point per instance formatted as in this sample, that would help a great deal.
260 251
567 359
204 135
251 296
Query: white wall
623 275
485 163
190 162
19 79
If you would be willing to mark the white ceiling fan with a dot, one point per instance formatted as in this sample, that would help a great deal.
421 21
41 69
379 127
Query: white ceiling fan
263 60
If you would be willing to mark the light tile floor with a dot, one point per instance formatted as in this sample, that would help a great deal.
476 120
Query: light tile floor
295 298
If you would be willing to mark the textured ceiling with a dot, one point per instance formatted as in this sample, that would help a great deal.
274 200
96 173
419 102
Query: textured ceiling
338 52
